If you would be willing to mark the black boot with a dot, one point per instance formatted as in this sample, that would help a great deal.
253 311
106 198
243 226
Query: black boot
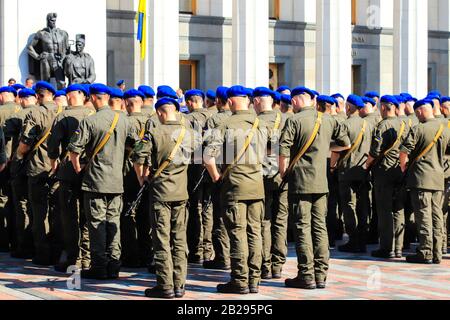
95 273
231 288
159 293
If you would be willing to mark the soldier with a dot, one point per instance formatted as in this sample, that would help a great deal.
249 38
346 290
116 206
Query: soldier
61 99
102 138
308 186
383 162
42 190
445 109
425 148
147 108
275 222
214 226
116 102
369 113
375 96
340 107
135 227
353 183
121 85
276 101
73 218
19 182
211 102
284 90
242 189
197 119
8 108
3 158
286 107
163 157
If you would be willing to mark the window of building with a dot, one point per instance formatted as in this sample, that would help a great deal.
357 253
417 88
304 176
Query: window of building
274 9
188 74
188 6
354 11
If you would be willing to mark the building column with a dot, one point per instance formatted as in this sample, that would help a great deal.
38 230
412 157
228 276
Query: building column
162 65
250 43
9 42
334 47
411 47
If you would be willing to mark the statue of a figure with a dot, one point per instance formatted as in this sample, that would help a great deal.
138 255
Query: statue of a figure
49 47
79 66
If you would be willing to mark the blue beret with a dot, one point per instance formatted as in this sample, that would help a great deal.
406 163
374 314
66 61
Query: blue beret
194 92
400 99
18 86
237 91
407 97
99 88
276 97
120 82
372 94
326 99
421 103
435 93
283 88
445 99
433 97
369 100
316 93
60 93
166 92
221 93
132 93
210 94
45 86
249 92
165 100
147 91
116 93
338 95
389 99
355 100
9 90
25 93
285 98
77 87
263 92
301 90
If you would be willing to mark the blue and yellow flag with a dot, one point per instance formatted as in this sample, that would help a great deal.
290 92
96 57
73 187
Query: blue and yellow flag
142 27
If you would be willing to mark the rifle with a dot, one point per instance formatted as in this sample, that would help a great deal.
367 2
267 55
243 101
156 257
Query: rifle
202 177
138 200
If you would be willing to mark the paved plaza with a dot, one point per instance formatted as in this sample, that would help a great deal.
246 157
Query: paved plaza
351 277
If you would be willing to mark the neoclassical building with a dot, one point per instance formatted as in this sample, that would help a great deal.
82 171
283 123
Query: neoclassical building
331 45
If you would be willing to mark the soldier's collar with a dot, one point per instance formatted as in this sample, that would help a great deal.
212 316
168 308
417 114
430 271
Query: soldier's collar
306 109
147 107
244 112
355 115
9 103
135 114
172 122
104 108
430 120
268 112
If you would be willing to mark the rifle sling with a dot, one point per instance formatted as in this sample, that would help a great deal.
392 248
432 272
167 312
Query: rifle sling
308 144
106 138
241 152
355 145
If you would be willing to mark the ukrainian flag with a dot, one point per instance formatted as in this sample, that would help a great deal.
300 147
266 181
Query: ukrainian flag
142 27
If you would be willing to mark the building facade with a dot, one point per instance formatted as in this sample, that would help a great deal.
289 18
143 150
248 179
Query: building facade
332 45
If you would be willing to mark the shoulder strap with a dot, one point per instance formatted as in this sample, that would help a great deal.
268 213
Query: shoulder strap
172 155
277 122
431 145
397 141
448 124
355 144
46 133
107 136
243 149
307 145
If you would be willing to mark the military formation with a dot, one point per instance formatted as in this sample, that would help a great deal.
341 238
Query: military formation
103 178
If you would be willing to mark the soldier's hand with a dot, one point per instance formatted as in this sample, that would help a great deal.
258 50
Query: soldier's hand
217 178
2 167
55 165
